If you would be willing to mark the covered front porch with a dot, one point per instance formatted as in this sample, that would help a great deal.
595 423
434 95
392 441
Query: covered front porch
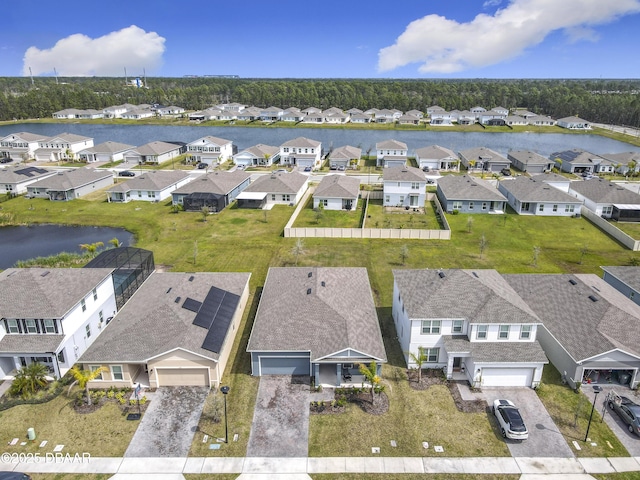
336 375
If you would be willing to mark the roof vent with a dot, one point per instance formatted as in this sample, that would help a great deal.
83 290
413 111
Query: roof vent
593 298
308 291
310 274
441 274
169 289
572 281
475 274
44 274
177 300
323 284
191 278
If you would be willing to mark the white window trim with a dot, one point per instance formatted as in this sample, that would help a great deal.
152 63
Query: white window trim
113 377
93 368
485 331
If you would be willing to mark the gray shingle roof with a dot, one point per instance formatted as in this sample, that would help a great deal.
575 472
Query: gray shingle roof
391 145
529 190
26 136
604 191
156 148
435 152
496 352
583 327
30 343
628 275
260 150
278 183
575 156
69 179
624 158
210 139
68 137
301 142
338 186
109 147
480 296
15 174
46 292
403 174
323 321
152 323
155 180
346 152
483 153
464 187
528 158
221 182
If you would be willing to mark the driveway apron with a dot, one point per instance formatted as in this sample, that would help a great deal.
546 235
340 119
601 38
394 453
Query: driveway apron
281 418
545 440
168 425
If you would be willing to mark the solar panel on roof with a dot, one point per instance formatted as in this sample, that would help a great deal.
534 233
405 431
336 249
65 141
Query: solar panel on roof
30 171
191 304
209 308
221 321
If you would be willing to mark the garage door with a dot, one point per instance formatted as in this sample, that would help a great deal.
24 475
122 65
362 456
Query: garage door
507 377
178 377
284 366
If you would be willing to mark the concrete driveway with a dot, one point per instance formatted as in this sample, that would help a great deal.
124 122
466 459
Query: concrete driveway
168 425
619 428
281 418
545 440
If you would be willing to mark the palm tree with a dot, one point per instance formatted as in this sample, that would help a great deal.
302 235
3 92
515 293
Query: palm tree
115 242
91 247
370 374
29 380
83 377
420 358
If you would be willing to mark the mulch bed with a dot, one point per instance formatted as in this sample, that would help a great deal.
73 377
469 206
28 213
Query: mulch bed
379 406
124 408
432 376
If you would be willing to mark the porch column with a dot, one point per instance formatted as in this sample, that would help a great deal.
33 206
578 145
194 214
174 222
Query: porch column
316 373
450 367
338 374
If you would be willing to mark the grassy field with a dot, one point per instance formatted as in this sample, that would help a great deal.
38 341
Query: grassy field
631 229
382 217
308 218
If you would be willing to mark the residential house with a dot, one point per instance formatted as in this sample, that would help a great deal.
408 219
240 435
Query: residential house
467 194
440 118
625 279
74 113
153 153
227 115
15 179
574 123
515 121
625 163
435 157
336 118
153 186
607 199
169 111
434 109
576 161
206 115
188 322
306 325
215 190
465 117
345 156
70 184
293 115
337 192
483 158
354 111
257 156
301 152
52 315
501 110
492 118
529 196
138 114
104 152
523 113
476 111
67 113
408 119
271 114
61 147
21 146
541 121
210 150
117 111
404 187
387 115
391 153
471 324
314 117
249 114
589 329
311 111
528 161
278 188
360 118
415 113
232 107
332 110
555 180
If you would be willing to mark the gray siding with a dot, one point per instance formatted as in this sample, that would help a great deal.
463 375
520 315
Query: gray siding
623 288
280 363
558 357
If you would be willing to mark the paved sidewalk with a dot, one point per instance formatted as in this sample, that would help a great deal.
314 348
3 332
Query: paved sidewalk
257 467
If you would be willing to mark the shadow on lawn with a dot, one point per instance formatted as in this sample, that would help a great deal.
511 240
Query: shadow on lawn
395 357
241 362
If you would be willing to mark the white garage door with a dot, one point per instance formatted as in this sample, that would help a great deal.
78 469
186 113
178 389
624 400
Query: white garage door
179 377
507 377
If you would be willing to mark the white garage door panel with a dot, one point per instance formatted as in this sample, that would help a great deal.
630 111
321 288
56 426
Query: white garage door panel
507 377
178 377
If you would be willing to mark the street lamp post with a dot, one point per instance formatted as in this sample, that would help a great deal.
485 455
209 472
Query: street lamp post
596 390
224 391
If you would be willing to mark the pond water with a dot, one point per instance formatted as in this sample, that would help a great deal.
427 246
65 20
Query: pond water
23 243
244 137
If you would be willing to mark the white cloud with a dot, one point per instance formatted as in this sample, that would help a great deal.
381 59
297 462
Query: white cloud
79 55
445 46
491 3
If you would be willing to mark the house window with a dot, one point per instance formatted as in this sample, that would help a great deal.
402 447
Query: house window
430 327
273 197
525 332
503 332
415 186
607 210
555 208
12 326
84 305
100 316
484 205
61 356
541 207
93 368
151 194
324 202
631 295
457 326
286 198
139 193
481 332
525 206
88 330
116 372
431 354
31 325
95 294
457 205
568 208
49 326
387 198
470 205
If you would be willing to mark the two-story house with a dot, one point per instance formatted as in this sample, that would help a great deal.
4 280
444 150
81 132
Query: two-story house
20 145
52 315
391 153
470 323
404 187
61 147
301 152
210 150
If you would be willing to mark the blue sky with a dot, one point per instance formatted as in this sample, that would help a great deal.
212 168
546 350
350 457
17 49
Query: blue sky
324 39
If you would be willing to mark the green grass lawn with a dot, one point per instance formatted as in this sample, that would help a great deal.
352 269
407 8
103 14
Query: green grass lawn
562 403
308 218
103 433
71 476
413 476
382 217
631 229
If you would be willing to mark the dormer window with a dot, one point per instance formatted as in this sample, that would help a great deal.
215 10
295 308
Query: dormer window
12 326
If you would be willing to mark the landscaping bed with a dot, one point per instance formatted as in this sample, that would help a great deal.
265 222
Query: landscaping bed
119 397
356 396
435 376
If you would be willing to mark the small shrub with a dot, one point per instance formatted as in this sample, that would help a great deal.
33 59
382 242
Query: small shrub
455 212
143 400
111 394
341 402
132 401
122 400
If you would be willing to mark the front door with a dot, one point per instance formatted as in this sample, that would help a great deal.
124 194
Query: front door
414 200
456 363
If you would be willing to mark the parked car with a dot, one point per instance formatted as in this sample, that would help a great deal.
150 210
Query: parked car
511 424
506 172
307 168
334 166
627 410
126 173
341 168
14 476
425 168
6 160
202 166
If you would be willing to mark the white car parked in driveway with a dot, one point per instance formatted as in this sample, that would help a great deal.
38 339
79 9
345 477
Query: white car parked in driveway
511 424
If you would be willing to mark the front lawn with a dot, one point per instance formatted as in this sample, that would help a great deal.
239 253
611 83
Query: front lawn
310 218
103 433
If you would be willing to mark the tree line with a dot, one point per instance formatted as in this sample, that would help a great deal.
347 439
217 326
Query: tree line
602 101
